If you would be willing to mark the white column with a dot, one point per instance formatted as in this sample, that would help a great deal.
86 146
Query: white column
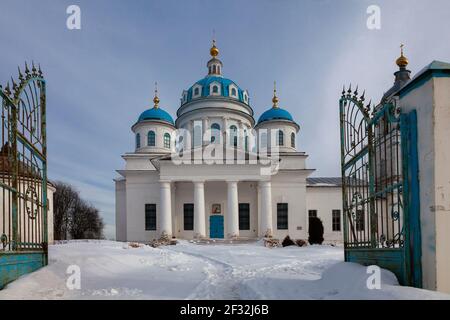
165 216
199 210
265 224
233 210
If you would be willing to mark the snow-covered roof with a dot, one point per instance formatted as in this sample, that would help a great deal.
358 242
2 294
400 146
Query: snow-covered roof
324 182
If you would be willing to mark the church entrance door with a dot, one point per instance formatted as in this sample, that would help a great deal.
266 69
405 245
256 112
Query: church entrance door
216 227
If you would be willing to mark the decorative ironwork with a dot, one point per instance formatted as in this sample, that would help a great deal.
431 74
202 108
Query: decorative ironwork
378 185
4 241
31 202
23 162
371 171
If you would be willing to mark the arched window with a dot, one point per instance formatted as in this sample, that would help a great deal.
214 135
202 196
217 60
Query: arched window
218 69
138 140
196 91
214 68
263 140
215 133
233 135
293 140
166 140
233 92
280 138
215 89
151 138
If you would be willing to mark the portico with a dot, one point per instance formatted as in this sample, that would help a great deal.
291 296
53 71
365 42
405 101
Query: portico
224 199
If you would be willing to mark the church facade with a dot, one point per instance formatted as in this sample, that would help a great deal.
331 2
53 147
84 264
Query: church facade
215 172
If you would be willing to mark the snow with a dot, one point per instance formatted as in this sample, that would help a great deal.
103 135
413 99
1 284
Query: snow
116 270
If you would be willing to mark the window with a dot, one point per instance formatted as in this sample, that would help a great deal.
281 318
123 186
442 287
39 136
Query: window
214 68
280 138
244 216
151 138
312 213
245 97
218 69
246 142
179 144
233 92
293 140
233 135
188 216
215 133
150 216
263 140
359 220
215 89
138 140
166 140
197 135
282 216
336 220
196 91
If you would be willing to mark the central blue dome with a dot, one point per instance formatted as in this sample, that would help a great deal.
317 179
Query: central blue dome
156 114
224 88
275 114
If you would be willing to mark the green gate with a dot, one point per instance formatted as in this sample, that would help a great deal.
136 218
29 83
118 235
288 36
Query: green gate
23 176
380 189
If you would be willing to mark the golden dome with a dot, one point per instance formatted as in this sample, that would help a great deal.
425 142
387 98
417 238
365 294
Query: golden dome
156 101
402 61
214 51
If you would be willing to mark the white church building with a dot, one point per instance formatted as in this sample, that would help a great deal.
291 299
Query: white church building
217 173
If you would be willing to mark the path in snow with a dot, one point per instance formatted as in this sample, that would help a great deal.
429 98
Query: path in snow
115 270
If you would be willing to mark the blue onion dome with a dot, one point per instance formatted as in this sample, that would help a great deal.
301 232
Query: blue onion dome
226 88
156 113
214 84
275 113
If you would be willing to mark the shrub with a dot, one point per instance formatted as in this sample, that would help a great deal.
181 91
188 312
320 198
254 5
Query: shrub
271 242
287 242
300 242
315 231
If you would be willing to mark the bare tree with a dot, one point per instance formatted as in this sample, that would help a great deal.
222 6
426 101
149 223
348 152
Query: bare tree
73 217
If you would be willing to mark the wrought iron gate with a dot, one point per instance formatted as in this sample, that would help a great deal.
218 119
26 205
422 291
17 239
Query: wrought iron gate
23 176
380 187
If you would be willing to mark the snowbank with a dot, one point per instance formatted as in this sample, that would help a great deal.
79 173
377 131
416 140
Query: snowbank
115 270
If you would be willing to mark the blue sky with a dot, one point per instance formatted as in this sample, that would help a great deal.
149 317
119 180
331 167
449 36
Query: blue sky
100 78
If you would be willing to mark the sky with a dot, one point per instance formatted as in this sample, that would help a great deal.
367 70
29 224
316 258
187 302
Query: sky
101 77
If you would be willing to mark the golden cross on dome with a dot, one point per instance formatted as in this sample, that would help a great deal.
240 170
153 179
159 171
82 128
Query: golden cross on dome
275 98
156 99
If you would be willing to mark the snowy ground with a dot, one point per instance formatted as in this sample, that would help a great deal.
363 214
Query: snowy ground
114 270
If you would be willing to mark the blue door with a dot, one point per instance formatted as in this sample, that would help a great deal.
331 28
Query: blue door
216 226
